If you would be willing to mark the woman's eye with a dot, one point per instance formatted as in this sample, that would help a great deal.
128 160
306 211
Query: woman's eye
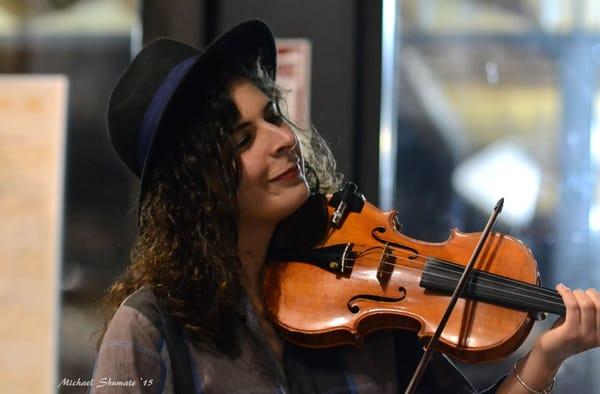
275 119
242 141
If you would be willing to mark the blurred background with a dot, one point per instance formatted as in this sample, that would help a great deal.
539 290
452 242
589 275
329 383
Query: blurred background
436 108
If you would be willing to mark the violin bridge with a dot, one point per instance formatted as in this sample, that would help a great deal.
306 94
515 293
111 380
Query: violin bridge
387 261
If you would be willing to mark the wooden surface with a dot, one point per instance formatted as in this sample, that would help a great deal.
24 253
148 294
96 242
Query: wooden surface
317 308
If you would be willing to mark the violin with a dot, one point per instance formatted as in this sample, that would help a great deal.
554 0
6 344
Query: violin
367 276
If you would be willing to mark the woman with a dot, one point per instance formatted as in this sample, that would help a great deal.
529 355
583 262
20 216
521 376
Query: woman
223 176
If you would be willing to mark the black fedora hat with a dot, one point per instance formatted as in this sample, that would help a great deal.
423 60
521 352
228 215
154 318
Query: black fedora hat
147 89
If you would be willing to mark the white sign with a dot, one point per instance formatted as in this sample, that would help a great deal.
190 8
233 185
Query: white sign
32 152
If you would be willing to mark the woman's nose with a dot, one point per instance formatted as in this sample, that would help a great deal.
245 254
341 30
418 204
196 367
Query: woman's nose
285 139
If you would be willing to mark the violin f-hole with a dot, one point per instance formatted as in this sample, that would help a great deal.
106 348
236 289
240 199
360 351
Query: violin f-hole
353 303
381 230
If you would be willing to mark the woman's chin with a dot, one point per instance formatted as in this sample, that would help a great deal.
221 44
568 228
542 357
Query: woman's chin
295 198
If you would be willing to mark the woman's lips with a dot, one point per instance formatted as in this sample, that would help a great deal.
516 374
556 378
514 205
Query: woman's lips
292 173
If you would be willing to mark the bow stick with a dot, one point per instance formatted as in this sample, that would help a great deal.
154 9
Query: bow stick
412 386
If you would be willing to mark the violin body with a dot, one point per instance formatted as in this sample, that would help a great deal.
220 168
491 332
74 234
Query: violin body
381 286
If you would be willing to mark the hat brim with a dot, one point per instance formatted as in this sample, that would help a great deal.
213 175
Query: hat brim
248 40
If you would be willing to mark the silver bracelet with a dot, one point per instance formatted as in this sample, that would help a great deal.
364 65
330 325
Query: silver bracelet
547 390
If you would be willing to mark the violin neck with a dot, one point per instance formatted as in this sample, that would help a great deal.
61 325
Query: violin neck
483 286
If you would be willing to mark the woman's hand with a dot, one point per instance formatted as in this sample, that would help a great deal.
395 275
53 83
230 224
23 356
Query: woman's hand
577 332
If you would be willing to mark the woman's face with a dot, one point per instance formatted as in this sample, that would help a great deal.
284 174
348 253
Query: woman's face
272 185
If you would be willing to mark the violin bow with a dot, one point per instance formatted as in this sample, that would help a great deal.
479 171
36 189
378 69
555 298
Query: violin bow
416 378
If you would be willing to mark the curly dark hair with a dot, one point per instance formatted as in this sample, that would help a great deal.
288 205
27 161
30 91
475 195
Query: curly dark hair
186 247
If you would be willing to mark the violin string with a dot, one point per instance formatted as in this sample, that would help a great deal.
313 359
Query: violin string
550 292
534 294
490 290
500 290
384 254
536 303
516 285
446 263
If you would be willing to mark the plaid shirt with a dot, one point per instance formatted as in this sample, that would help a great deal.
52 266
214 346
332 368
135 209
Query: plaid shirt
134 358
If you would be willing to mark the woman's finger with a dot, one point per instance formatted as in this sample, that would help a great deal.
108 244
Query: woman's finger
595 297
573 314
587 328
